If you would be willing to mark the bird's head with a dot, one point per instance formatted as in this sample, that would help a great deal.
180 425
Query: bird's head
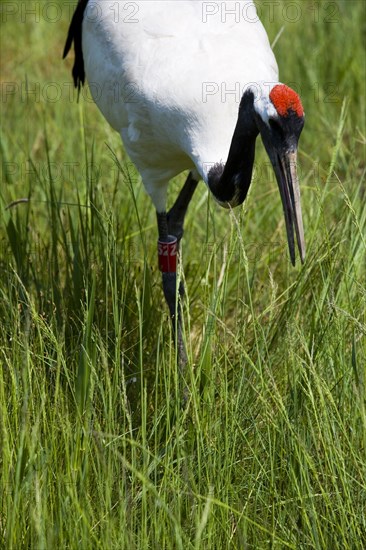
279 117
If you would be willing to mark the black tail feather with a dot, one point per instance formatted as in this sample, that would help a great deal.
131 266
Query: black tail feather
75 35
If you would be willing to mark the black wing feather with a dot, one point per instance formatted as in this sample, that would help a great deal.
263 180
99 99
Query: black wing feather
74 35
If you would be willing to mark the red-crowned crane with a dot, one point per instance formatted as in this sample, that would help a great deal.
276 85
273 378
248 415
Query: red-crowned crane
189 85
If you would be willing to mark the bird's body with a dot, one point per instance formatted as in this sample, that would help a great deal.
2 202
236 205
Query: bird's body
190 85
170 82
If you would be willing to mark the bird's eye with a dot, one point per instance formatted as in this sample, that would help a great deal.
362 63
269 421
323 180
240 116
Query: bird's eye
274 124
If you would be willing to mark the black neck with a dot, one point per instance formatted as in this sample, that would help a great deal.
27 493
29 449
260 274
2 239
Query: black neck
229 183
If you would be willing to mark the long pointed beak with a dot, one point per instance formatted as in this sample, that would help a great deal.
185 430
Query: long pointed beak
288 183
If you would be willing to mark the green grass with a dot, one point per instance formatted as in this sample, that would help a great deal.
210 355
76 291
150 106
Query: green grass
96 450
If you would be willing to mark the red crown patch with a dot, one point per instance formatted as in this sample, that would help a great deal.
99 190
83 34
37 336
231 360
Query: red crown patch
285 99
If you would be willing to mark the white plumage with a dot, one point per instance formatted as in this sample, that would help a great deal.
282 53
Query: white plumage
168 82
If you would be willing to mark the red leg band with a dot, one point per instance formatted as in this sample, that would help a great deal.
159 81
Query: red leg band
167 252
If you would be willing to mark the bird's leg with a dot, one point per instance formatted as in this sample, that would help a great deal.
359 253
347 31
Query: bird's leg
178 211
168 252
170 227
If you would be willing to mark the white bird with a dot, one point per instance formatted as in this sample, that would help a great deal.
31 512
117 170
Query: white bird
189 85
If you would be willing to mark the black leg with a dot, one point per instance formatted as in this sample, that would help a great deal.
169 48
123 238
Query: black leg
170 227
178 211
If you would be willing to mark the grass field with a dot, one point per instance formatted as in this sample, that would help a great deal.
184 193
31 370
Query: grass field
96 449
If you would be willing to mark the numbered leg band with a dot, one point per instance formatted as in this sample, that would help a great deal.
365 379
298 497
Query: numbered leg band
167 252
